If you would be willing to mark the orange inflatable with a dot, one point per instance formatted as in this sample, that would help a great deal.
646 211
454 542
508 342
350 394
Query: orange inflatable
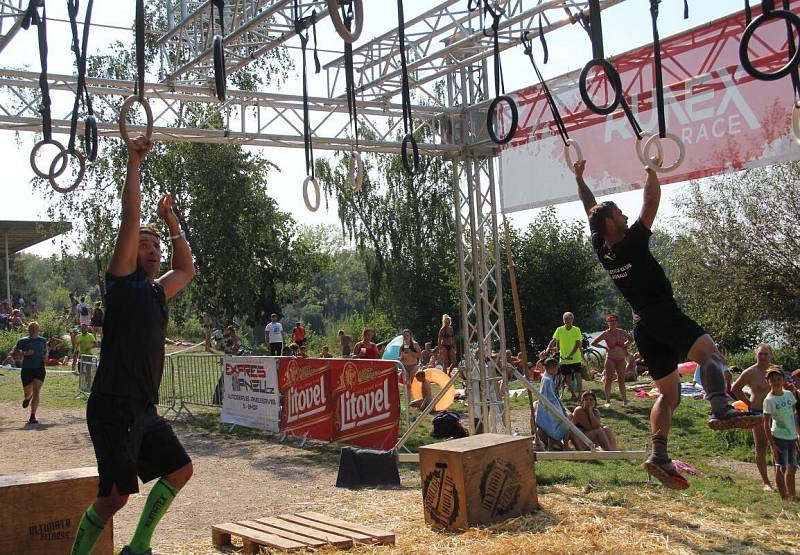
436 377
741 405
687 368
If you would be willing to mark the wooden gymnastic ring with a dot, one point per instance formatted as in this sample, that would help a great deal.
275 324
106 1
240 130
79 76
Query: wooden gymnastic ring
412 168
574 144
796 120
355 172
658 165
123 114
36 148
490 119
616 84
744 45
313 180
63 156
344 32
220 77
90 138
643 138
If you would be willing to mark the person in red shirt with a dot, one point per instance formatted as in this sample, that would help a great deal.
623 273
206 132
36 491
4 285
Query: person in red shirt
366 348
299 334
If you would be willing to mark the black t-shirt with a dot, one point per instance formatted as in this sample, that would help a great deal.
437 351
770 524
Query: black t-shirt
634 270
134 328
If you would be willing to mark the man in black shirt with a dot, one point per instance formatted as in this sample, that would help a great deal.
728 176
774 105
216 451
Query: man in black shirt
130 439
664 335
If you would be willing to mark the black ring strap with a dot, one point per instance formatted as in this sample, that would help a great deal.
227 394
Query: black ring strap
659 92
140 61
594 27
562 129
32 17
301 25
411 168
218 45
80 48
349 73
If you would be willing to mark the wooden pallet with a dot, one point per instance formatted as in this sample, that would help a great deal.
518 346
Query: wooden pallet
291 532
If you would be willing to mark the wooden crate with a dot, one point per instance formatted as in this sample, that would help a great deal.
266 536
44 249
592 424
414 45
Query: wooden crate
477 480
39 513
291 532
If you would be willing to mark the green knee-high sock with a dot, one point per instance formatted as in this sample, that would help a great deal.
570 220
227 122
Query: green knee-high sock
89 530
155 508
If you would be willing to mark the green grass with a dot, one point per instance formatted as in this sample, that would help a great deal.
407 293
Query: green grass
691 441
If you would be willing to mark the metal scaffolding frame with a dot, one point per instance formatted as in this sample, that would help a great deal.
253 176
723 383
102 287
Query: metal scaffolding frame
447 50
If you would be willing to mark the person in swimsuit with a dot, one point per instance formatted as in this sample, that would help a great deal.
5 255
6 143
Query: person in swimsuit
410 355
366 348
617 341
344 343
447 344
587 418
664 334
755 377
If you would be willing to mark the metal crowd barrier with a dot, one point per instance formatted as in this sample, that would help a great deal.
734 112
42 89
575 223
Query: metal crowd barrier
188 380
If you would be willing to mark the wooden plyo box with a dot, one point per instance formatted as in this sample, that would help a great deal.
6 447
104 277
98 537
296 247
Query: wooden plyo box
477 480
39 513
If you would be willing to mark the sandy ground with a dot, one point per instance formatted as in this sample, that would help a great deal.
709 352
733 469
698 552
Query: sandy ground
237 479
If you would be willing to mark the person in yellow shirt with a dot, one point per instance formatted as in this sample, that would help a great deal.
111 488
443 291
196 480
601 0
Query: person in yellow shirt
84 344
568 339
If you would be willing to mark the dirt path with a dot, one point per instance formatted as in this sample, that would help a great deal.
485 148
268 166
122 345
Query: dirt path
243 478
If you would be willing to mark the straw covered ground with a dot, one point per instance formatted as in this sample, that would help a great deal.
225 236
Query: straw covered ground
605 507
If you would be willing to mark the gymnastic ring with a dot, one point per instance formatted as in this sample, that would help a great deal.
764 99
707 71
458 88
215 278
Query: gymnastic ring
123 114
616 84
659 167
313 180
574 144
63 156
643 138
90 138
490 119
796 120
219 68
355 172
36 148
411 168
744 45
344 32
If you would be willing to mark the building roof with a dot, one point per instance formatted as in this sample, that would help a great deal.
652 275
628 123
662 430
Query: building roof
22 235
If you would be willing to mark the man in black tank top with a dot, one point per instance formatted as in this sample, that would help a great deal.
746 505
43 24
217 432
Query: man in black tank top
130 439
664 335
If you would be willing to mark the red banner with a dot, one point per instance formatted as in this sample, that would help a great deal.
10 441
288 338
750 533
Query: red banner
306 404
366 403
727 120
354 402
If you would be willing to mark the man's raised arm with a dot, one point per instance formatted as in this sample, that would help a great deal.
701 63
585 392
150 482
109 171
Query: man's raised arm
584 193
652 198
123 260
182 270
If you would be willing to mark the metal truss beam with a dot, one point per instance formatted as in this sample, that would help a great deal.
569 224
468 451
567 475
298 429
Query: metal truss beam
11 14
377 63
250 118
253 28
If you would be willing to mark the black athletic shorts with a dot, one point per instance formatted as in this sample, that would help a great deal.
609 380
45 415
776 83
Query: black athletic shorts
275 349
30 374
131 440
664 337
569 369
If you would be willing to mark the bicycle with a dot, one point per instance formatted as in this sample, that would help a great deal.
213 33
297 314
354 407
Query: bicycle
593 358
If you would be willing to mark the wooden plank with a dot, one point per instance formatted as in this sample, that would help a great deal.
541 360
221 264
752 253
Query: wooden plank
590 455
254 536
48 477
381 536
287 530
408 458
327 528
478 441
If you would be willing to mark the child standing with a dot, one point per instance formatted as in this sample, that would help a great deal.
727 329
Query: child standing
781 428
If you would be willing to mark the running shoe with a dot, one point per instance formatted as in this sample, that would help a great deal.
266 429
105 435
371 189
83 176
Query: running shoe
26 402
664 471
733 418
32 420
